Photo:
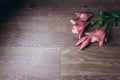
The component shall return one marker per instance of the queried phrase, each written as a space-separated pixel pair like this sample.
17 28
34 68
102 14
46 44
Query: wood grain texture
36 42
28 48
94 60
30 61
90 77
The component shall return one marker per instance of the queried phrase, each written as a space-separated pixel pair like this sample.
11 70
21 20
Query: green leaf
93 22
114 15
107 19
100 23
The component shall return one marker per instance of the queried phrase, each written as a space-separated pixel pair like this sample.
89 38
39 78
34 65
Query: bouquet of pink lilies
106 20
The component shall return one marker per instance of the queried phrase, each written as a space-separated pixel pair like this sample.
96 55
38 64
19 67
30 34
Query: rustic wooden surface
36 43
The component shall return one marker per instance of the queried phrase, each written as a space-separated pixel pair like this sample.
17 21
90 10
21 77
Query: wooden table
36 43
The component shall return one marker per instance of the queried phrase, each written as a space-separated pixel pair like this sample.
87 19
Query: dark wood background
36 42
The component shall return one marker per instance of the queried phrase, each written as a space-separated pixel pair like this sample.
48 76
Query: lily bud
83 42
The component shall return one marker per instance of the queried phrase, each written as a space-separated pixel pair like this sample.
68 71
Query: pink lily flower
84 16
79 27
83 42
98 36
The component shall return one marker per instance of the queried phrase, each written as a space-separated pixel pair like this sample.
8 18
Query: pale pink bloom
79 27
84 16
83 42
73 21
98 36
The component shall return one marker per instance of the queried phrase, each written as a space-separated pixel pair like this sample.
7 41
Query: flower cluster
105 22
80 23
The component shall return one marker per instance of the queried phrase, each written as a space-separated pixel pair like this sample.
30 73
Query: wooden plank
33 35
91 77
93 60
36 61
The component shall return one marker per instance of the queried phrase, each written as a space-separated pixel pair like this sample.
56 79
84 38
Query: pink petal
75 29
81 23
100 43
80 32
94 39
79 27
73 21
85 43
84 16
79 35
100 33
81 40
98 36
